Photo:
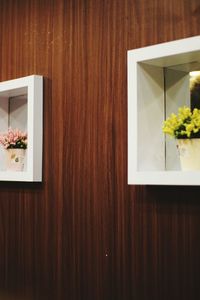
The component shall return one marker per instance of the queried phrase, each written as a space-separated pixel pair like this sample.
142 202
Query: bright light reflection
194 73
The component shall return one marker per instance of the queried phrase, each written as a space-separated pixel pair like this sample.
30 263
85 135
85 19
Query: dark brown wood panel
83 233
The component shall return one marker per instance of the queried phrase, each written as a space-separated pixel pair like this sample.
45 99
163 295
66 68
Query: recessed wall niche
158 83
21 106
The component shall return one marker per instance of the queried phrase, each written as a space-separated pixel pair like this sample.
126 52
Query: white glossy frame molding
151 157
21 105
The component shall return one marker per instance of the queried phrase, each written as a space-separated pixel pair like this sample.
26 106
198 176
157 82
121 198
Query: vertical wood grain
84 233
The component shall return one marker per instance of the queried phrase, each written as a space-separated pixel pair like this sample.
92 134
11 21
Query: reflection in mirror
195 89
176 78
182 88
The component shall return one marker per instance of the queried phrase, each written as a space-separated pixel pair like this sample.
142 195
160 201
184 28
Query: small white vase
15 159
189 152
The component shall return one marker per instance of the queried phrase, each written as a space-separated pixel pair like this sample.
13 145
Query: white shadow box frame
158 83
21 106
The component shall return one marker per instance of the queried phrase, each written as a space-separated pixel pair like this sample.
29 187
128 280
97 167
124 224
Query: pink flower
14 138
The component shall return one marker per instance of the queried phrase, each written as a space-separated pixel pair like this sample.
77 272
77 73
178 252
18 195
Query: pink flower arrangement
14 138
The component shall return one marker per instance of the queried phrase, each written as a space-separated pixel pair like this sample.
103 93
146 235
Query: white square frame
146 111
33 86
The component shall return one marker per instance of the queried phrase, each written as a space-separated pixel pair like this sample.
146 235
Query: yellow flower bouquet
184 125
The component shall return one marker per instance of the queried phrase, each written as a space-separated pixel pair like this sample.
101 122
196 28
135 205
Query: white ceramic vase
189 152
15 159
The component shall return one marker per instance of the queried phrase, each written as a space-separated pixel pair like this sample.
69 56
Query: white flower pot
15 159
189 152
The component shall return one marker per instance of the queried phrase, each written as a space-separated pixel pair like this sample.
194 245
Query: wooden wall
84 234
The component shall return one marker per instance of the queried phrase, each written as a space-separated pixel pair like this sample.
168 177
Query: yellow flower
183 125
188 129
184 113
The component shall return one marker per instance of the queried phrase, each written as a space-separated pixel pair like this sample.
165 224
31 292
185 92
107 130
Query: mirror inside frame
182 88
